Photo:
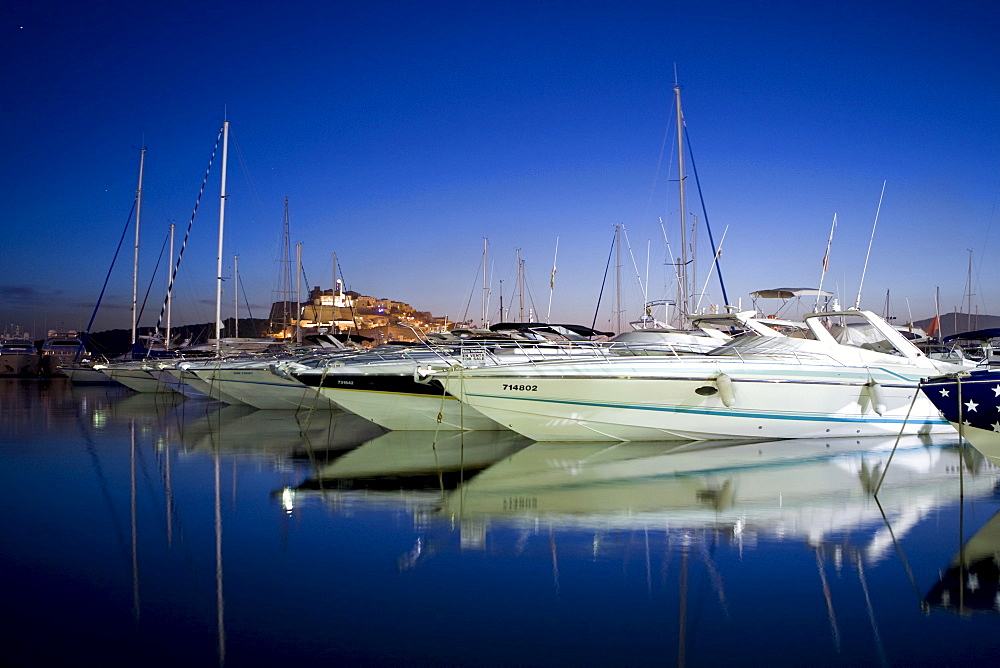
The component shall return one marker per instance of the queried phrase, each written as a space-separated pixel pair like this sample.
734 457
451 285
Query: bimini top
789 293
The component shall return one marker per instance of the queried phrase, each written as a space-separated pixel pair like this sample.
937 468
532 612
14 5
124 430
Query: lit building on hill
341 312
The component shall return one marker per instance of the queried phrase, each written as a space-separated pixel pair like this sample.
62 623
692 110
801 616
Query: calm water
140 530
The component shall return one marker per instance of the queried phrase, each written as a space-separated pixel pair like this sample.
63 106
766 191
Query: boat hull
696 400
971 404
398 402
86 375
24 366
138 379
193 387
264 390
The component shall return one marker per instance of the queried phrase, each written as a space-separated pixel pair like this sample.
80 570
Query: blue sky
404 133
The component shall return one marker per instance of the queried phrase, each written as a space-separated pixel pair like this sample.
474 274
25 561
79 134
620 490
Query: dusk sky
405 133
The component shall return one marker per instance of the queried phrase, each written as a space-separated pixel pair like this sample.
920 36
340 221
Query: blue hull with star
971 403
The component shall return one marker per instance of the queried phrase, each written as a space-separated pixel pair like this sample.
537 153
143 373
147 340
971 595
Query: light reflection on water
151 530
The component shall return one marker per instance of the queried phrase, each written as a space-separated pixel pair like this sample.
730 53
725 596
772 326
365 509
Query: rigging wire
243 288
701 197
187 234
593 325
86 334
472 290
152 278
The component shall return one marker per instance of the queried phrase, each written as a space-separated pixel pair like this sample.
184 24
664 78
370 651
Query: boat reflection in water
971 583
416 460
168 530
244 430
803 488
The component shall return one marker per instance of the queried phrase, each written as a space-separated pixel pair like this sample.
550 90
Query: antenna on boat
857 302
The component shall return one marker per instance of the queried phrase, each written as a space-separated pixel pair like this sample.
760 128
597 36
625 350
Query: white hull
85 375
19 365
172 378
136 378
191 386
653 400
411 412
260 388
386 393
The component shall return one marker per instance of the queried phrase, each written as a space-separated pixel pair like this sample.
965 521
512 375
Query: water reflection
971 582
188 525
793 489
414 459
245 431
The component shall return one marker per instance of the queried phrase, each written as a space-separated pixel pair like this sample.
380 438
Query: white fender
875 396
727 389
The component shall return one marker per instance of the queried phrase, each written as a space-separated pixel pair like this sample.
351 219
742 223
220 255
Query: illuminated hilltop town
340 311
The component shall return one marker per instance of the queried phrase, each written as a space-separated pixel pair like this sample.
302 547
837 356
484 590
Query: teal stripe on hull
801 417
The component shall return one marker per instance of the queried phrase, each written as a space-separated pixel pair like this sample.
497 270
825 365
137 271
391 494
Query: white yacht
383 386
19 357
60 349
749 387
253 383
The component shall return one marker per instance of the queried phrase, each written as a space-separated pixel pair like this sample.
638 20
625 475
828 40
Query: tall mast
486 289
286 275
683 270
135 260
333 299
618 279
520 287
236 296
968 309
222 223
170 299
298 293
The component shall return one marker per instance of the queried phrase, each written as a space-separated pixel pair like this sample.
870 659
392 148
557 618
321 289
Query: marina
418 336
146 528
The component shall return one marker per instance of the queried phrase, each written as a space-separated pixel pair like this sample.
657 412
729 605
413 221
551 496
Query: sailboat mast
298 293
618 279
968 308
333 300
236 296
222 222
520 286
683 271
135 260
486 289
170 299
286 276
